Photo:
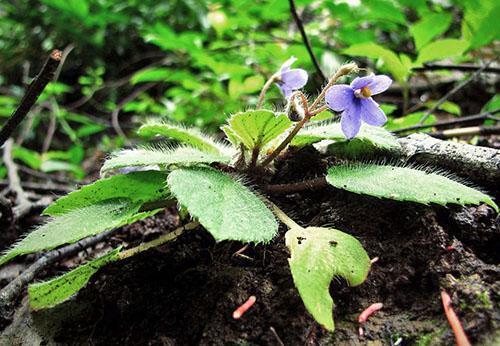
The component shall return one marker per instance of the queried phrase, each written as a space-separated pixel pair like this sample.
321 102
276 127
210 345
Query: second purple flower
289 80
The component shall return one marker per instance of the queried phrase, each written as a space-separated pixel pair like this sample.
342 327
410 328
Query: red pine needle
460 336
244 307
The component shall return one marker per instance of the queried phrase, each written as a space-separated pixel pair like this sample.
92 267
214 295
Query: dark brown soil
184 293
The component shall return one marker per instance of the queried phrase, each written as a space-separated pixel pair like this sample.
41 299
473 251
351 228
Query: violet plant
208 178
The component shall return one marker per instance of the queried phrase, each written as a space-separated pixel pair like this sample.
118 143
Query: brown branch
466 119
461 67
34 90
466 131
313 184
10 292
307 43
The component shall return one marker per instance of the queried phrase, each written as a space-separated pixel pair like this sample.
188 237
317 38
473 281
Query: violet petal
339 97
379 84
295 78
351 122
371 113
361 82
286 65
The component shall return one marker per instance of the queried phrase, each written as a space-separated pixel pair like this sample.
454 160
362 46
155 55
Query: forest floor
184 293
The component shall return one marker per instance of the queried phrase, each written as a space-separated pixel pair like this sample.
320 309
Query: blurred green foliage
196 62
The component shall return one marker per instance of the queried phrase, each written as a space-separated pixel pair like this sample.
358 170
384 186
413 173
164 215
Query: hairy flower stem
280 214
158 241
342 71
265 88
310 111
286 141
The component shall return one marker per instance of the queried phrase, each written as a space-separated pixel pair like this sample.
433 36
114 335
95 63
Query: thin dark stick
298 21
42 187
463 68
34 90
116 112
10 292
313 184
466 119
450 93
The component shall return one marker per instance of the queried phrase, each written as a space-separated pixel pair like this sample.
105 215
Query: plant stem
286 141
307 43
342 71
158 241
280 214
266 87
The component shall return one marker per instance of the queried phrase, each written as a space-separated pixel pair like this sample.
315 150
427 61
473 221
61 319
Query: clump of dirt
184 292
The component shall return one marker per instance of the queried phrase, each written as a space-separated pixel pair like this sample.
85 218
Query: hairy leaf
256 128
225 207
373 135
319 254
404 184
75 225
164 158
190 136
146 186
50 293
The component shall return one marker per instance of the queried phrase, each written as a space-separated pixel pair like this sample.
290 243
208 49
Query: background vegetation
196 62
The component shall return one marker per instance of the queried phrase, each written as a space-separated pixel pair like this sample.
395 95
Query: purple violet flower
356 104
289 80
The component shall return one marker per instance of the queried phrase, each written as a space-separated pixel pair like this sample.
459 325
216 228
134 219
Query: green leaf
374 51
162 157
447 106
441 49
429 27
256 128
138 187
317 255
375 136
191 136
409 120
393 183
250 85
154 74
224 206
492 105
50 293
75 225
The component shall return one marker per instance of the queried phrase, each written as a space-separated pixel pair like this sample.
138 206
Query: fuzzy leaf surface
146 186
164 158
190 136
75 225
404 184
50 293
375 136
317 255
224 206
256 128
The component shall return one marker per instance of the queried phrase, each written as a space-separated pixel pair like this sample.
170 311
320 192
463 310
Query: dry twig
34 90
